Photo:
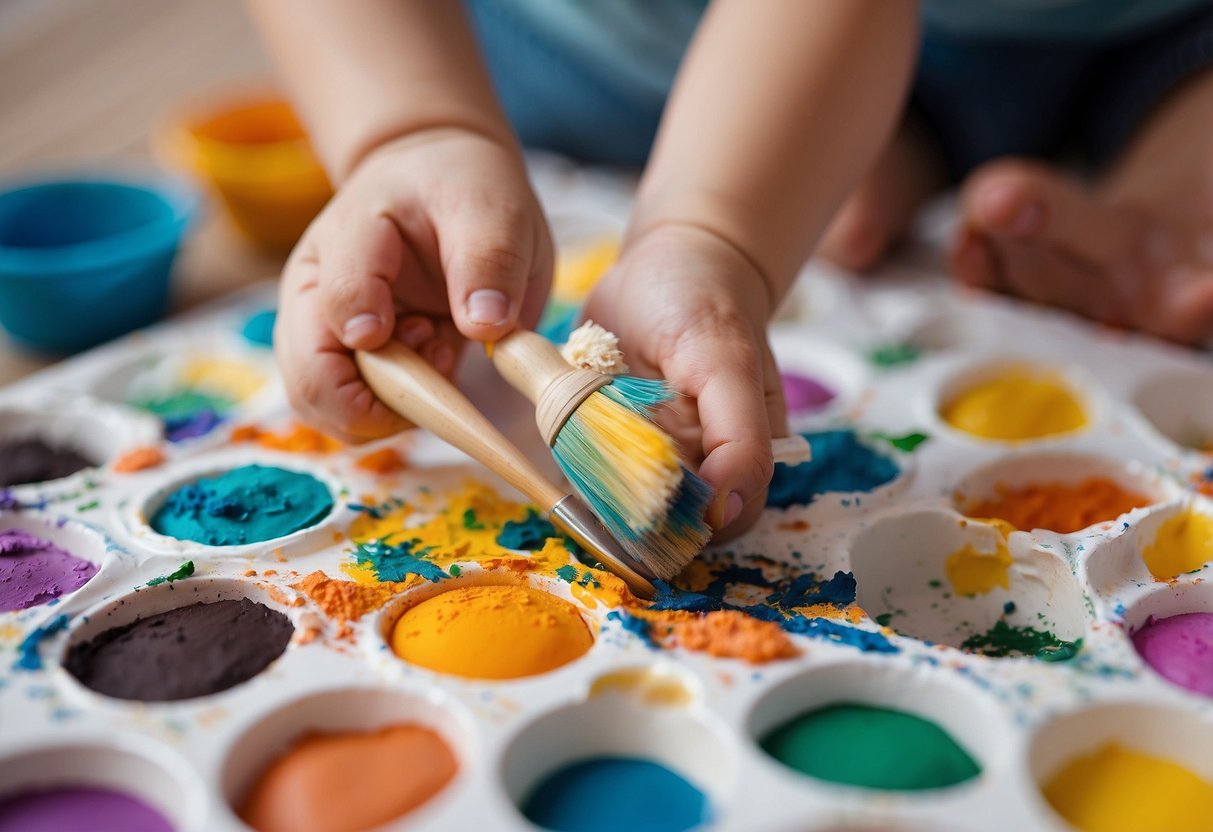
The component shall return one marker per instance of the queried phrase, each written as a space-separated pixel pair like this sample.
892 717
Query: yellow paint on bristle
1183 543
973 572
1015 406
578 271
635 459
1116 789
233 379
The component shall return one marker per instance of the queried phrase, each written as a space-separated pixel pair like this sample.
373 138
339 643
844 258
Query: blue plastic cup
84 259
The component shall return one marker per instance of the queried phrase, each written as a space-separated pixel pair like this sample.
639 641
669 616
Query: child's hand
433 239
691 308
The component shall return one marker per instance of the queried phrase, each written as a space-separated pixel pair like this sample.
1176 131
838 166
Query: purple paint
78 807
1180 649
804 394
34 571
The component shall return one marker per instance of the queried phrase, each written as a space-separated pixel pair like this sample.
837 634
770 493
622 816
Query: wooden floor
82 82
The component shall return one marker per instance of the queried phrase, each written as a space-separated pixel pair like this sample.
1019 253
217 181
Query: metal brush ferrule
575 519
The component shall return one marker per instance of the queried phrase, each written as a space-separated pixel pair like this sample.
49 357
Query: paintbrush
408 384
625 467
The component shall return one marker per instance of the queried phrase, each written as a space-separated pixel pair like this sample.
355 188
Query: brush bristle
682 534
624 466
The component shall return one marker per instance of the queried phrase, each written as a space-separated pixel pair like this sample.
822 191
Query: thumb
489 260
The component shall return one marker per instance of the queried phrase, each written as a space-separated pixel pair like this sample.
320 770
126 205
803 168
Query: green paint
870 747
455 570
88 506
185 571
1003 640
469 520
894 355
934 584
884 618
183 403
905 443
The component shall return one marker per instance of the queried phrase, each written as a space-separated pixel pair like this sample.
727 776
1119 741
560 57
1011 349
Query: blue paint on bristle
640 395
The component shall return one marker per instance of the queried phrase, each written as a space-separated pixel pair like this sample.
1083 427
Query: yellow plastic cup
254 153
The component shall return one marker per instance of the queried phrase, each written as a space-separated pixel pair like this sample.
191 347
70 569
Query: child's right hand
435 238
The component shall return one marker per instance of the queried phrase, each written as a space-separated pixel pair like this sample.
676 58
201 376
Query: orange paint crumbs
307 635
381 462
271 572
300 439
249 573
344 601
795 526
138 459
1059 507
725 635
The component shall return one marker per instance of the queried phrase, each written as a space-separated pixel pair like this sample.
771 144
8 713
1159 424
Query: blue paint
526 535
28 655
805 590
609 794
639 627
867 641
86 259
570 574
841 463
672 598
397 562
259 329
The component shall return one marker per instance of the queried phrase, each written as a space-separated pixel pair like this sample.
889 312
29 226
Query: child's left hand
692 309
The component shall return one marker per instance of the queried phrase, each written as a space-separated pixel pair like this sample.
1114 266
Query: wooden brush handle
534 367
409 385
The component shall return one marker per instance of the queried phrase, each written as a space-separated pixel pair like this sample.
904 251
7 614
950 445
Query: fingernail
732 507
488 306
360 326
1028 221
415 333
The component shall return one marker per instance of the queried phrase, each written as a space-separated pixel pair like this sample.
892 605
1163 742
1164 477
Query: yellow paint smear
1183 544
232 379
579 269
1015 406
973 572
644 685
1116 789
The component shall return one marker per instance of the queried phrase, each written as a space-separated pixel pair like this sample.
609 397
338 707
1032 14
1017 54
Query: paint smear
334 782
841 463
644 685
24 461
1017 405
871 747
579 268
973 572
250 504
382 463
201 395
258 330
491 632
1184 543
1059 507
184 653
1180 649
1003 640
607 794
34 571
298 439
138 459
804 395
78 807
1117 789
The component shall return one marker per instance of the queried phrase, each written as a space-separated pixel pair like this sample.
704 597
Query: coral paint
1183 543
731 635
344 782
34 571
872 747
138 459
606 794
78 807
1017 405
491 632
804 395
1117 789
1059 507
382 462
1180 649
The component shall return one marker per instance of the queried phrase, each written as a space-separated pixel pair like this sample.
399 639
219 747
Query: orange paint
382 462
343 782
733 635
299 439
1059 507
345 601
138 459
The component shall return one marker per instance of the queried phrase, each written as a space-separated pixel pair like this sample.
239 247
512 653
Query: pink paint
804 394
1180 649
34 571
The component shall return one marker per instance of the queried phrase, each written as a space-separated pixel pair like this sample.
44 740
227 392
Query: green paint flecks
907 443
185 571
894 355
1003 640
871 747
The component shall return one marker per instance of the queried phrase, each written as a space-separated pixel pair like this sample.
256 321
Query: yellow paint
579 269
233 379
1183 544
1116 789
651 688
491 632
973 572
1017 405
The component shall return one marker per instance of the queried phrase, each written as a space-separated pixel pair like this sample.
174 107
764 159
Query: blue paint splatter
397 562
868 641
28 657
638 627
569 574
841 463
529 534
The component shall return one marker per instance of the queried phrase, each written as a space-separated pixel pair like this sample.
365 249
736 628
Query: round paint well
1179 407
1122 767
870 747
805 394
601 794
78 807
243 505
1015 401
491 631
35 570
351 758
1172 631
942 578
175 641
842 463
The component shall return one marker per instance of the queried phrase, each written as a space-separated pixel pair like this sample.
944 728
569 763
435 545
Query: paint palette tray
875 602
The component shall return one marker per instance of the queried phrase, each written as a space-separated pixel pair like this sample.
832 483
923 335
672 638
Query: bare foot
879 210
1133 249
